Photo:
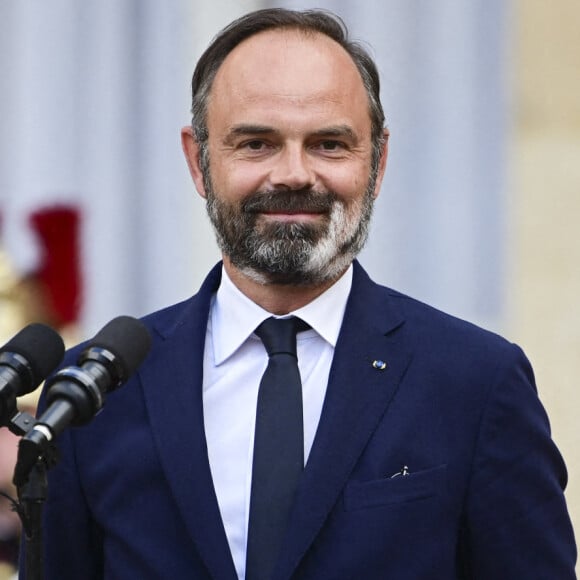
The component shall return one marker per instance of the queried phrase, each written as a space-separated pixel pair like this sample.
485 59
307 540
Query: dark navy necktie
278 446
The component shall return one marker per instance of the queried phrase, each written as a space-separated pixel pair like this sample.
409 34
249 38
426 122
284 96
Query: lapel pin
379 364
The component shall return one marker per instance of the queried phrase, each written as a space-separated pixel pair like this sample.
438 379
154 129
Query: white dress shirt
234 362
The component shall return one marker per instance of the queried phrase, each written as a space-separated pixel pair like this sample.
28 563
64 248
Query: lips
295 217
290 212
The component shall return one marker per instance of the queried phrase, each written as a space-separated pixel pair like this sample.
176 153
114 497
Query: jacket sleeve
517 523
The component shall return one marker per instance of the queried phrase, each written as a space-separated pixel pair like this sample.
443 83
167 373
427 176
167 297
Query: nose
292 169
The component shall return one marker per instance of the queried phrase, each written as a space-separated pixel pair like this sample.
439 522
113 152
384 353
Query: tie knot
279 334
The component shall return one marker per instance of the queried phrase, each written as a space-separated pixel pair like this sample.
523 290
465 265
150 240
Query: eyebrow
337 131
250 129
344 131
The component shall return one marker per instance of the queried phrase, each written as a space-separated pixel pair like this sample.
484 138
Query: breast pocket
416 486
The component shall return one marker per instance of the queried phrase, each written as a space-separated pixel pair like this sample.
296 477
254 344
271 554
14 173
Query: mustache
303 200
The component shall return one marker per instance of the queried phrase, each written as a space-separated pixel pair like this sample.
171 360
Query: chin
308 275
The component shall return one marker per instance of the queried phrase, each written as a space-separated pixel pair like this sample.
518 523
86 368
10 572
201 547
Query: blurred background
479 209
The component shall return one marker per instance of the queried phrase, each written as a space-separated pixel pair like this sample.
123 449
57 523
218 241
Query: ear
382 162
192 152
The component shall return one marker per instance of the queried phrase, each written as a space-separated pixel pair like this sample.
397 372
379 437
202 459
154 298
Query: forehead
288 66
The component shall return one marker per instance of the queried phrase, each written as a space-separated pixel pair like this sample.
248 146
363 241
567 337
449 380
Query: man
427 453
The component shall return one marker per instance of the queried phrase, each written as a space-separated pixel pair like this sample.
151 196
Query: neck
277 299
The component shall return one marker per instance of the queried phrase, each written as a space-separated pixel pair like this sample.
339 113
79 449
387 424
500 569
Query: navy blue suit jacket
132 496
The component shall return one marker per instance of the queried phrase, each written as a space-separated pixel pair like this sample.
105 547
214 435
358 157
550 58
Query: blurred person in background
49 294
9 520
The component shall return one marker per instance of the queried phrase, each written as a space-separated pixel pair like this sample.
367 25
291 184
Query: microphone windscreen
128 339
41 346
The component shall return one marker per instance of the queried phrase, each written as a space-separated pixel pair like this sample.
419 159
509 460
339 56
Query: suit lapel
172 384
358 394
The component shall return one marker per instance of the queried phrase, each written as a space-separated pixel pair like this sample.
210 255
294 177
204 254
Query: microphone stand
30 479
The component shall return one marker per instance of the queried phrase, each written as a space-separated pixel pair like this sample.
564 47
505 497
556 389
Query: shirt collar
234 317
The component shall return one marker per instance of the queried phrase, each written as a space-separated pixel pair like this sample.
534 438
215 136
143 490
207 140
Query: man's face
288 183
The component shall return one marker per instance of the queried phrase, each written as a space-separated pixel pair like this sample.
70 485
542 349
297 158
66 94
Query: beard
285 252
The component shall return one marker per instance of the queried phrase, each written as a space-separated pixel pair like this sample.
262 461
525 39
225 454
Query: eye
330 146
254 145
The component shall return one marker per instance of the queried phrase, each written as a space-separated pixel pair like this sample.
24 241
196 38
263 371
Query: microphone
25 361
76 394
